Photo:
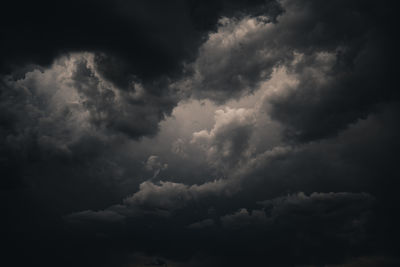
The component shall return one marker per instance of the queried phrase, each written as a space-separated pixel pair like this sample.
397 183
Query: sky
199 133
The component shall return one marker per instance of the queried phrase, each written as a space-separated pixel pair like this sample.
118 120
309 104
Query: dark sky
199 133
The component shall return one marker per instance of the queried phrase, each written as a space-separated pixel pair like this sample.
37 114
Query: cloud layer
199 133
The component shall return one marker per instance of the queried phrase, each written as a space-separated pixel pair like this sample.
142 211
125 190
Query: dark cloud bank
109 155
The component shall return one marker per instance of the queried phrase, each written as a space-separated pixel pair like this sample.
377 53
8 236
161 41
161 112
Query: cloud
327 225
65 127
155 129
178 147
243 218
127 42
331 61
330 224
228 141
153 164
201 224
161 199
135 112
69 101
345 212
169 195
325 204
323 101
235 59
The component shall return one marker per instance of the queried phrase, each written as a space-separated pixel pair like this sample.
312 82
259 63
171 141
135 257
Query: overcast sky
199 133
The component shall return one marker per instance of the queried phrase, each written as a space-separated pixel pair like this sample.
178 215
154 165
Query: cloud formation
228 142
199 133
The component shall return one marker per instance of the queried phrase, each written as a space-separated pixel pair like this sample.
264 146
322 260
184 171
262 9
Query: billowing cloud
170 195
235 59
328 58
244 218
201 224
228 141
161 199
199 133
128 43
153 164
319 221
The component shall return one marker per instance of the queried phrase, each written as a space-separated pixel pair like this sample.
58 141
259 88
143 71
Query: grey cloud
324 101
335 93
324 204
345 212
134 111
344 163
244 218
201 224
169 195
63 130
134 43
328 223
227 143
306 101
243 53
178 147
153 164
68 101
235 59
161 199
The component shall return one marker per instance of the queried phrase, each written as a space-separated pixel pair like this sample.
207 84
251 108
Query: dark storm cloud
142 38
325 205
244 218
235 59
243 53
47 120
328 98
356 159
110 155
227 143
135 113
327 223
137 53
63 127
201 224
161 199
320 218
